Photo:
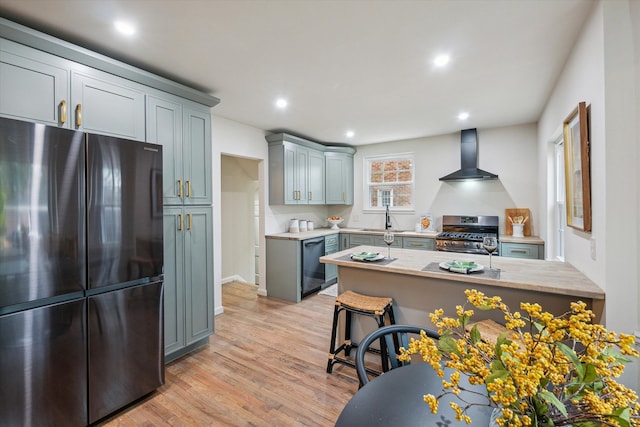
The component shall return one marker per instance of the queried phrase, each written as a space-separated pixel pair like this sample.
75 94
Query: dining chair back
394 336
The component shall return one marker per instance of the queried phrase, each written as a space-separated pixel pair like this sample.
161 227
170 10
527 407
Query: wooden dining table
395 399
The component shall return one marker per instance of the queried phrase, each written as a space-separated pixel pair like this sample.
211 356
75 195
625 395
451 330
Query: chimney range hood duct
469 160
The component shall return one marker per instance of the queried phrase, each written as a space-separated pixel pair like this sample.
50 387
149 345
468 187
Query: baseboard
234 278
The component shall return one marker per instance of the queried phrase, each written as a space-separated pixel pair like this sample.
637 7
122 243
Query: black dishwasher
312 268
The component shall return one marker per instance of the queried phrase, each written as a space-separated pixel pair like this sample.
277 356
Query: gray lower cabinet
284 267
331 245
522 250
188 299
420 243
372 240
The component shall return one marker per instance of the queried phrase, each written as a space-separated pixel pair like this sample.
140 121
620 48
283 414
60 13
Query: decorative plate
367 256
464 267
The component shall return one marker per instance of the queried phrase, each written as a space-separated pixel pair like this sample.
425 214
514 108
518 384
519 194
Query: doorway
240 219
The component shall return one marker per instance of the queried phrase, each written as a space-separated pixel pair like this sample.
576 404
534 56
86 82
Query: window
561 210
390 181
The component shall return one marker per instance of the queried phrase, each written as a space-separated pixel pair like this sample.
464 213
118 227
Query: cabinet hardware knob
78 115
179 188
180 222
63 111
189 222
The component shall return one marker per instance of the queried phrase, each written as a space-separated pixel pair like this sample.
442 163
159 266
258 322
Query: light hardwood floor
265 366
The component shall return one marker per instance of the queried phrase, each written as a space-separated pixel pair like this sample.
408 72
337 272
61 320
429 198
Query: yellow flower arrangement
545 370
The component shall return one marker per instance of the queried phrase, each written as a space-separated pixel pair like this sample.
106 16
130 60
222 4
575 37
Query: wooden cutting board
524 212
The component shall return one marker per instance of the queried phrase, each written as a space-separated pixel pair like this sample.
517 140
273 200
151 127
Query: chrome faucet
387 219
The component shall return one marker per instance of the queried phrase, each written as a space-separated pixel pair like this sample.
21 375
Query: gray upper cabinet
34 85
339 176
299 174
185 135
107 106
164 127
316 174
196 155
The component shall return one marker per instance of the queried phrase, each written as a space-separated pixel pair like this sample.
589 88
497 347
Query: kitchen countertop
552 277
531 240
431 234
327 231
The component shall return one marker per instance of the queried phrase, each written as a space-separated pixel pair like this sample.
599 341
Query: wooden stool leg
332 346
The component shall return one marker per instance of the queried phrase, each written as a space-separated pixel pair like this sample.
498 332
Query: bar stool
354 303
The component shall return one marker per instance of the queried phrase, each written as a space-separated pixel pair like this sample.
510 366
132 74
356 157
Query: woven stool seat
356 301
364 305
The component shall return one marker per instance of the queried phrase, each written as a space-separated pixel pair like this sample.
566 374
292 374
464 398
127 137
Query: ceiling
360 65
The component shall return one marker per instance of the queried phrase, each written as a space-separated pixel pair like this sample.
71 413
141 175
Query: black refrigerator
81 292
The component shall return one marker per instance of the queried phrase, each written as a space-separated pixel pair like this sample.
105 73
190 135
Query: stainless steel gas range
465 233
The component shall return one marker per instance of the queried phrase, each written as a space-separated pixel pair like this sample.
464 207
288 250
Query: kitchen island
418 286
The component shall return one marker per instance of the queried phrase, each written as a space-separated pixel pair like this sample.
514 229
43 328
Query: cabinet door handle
344 196
310 195
78 115
188 188
416 244
189 222
180 222
518 251
63 111
179 188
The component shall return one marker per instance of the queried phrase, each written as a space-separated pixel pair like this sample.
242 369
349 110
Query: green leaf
500 373
539 326
484 307
622 416
567 351
552 399
475 334
590 373
448 345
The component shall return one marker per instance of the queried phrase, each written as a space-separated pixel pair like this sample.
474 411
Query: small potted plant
543 370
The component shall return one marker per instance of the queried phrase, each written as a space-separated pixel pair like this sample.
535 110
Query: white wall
509 152
235 139
603 70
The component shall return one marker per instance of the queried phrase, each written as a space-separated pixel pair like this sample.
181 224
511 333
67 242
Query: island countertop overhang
551 277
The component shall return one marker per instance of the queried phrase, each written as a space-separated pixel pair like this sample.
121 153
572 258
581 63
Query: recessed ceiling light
125 28
441 60
281 103
463 116
350 134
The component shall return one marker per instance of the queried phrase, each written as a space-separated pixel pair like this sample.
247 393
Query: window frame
367 207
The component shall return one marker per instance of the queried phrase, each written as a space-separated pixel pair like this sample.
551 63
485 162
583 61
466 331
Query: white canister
310 225
418 227
294 226
518 230
303 225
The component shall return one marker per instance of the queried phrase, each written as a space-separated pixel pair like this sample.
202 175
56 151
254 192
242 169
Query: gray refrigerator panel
42 212
126 347
43 366
124 210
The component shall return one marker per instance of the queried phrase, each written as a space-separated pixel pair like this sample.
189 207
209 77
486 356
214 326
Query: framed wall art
577 168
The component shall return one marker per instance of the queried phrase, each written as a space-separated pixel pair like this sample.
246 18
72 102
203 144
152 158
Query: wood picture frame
577 168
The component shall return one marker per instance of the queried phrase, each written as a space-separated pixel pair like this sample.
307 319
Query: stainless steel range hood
469 160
